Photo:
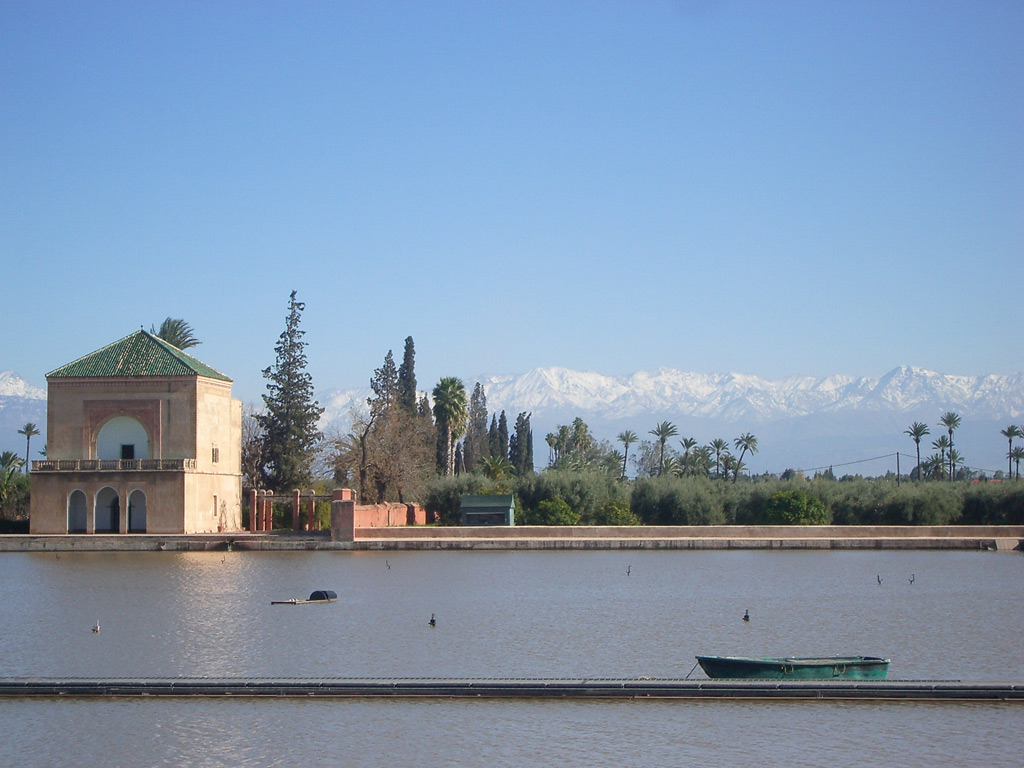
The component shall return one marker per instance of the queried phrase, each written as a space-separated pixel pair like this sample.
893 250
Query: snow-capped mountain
20 403
800 421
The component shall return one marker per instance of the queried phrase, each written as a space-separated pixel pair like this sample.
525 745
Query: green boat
795 668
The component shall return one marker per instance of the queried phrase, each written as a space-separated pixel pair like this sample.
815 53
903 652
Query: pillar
252 510
268 512
296 502
343 515
311 520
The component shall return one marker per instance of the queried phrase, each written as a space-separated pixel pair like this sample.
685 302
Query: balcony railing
113 465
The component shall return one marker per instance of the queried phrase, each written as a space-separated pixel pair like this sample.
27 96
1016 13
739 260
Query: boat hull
795 668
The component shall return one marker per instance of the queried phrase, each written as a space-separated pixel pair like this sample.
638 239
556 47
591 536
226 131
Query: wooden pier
602 688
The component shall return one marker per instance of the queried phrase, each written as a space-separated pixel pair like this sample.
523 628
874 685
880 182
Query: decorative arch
78 511
122 437
137 511
108 511
98 413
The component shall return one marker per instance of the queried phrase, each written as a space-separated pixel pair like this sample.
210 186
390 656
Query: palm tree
1016 455
627 438
450 413
702 459
177 333
950 421
496 467
917 430
1009 433
745 442
728 462
942 446
955 459
688 444
10 463
719 446
552 440
29 431
663 432
935 465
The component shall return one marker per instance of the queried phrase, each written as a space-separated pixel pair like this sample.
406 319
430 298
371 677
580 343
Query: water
505 614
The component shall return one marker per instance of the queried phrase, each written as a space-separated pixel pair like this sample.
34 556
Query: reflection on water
517 614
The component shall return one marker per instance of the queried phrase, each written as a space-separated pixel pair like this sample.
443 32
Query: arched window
122 438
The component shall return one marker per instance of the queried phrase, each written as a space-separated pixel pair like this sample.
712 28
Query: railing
113 465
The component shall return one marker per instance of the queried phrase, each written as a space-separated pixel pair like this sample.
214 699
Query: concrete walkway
631 688
833 537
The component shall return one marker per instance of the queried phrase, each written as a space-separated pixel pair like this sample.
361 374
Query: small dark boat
795 667
317 596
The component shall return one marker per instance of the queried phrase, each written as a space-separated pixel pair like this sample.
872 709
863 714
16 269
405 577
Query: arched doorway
137 512
108 511
78 512
122 438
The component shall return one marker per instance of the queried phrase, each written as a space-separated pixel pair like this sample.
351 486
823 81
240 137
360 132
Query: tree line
403 445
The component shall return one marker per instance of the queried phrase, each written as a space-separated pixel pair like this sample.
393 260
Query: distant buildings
141 438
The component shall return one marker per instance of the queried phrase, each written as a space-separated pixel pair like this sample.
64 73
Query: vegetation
450 415
289 424
29 431
177 333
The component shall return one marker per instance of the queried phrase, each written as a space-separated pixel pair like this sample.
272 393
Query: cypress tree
476 445
407 378
520 446
493 446
290 421
502 436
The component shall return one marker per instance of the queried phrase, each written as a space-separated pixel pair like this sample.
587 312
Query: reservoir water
505 614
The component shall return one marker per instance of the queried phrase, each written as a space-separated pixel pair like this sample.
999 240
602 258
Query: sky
783 188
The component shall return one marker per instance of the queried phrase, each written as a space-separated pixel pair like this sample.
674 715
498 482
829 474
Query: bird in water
879 577
628 569
746 615
388 564
433 621
911 578
96 627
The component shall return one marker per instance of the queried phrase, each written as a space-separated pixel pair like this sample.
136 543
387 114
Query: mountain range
801 422
854 424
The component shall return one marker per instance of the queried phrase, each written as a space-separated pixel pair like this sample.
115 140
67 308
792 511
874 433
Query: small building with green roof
141 438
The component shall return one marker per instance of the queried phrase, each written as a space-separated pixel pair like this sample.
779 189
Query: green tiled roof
140 354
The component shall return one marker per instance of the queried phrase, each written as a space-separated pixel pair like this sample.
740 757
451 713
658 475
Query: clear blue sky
773 188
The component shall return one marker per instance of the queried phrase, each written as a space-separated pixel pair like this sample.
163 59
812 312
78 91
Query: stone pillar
311 521
122 523
268 513
252 510
296 503
90 512
343 515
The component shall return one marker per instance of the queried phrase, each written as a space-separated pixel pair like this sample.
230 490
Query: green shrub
794 508
677 501
552 512
616 512
585 492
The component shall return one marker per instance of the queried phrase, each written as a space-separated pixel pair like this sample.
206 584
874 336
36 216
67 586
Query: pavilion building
141 438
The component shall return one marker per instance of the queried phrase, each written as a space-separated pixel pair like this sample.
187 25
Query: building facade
141 438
